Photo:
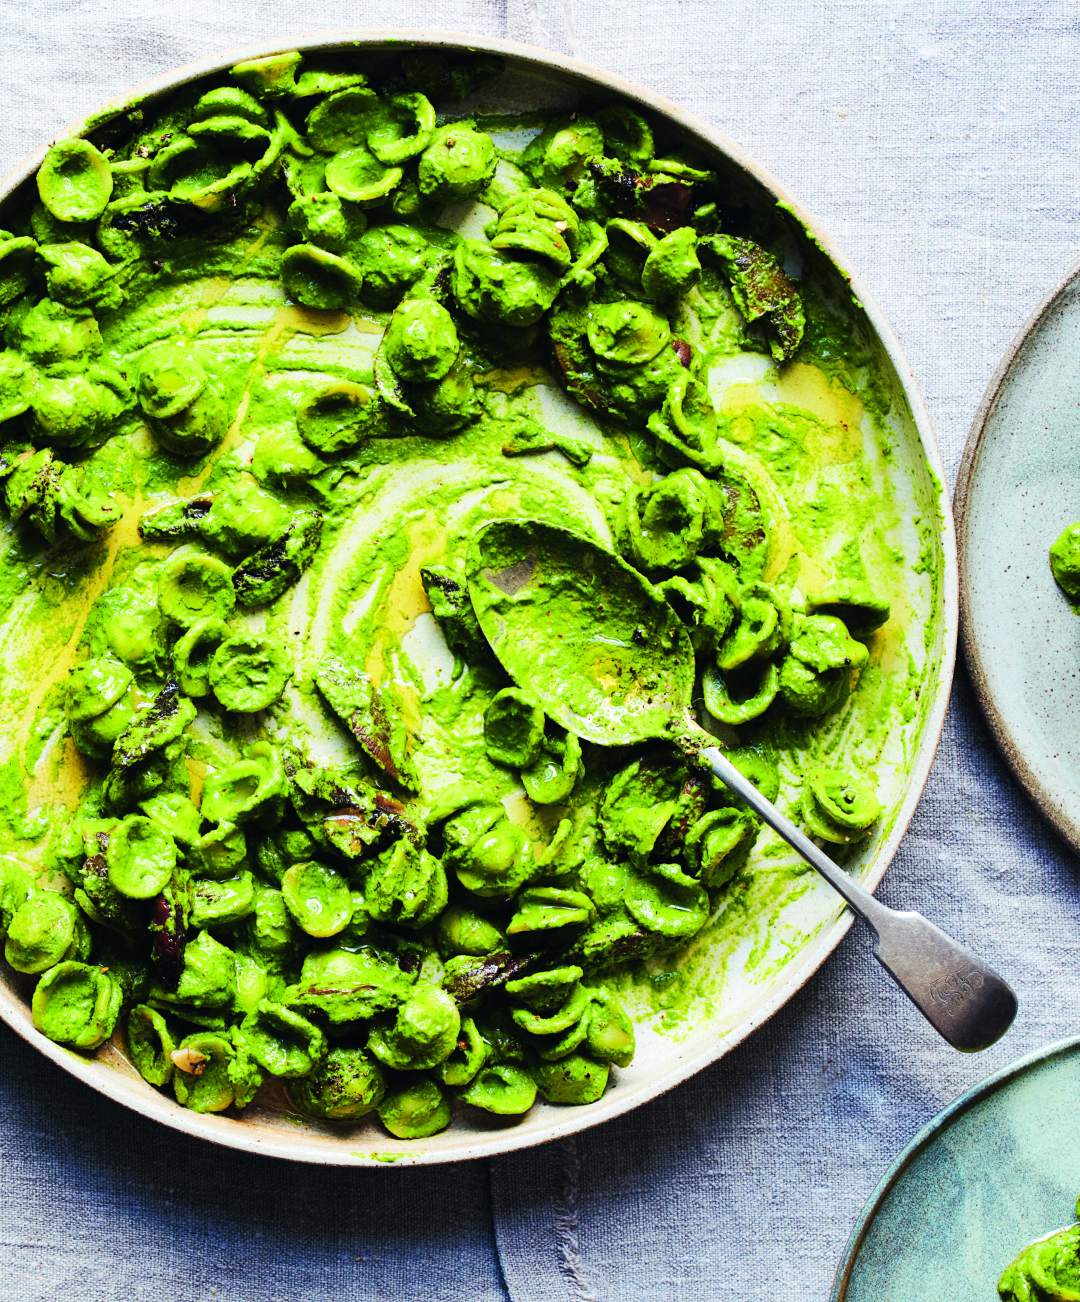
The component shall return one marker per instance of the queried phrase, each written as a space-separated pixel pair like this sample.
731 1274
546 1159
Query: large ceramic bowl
770 962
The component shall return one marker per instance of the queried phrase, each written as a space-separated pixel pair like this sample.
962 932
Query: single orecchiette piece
318 898
421 341
75 182
503 1088
639 803
344 986
549 908
572 1080
406 886
390 259
207 979
757 633
491 856
551 778
317 278
423 1033
462 930
456 164
76 1004
513 729
538 223
838 806
402 127
742 694
415 1110
44 930
340 417
662 898
345 1086
78 276
667 524
222 902
141 857
282 1041
713 840
496 289
1065 561
672 266
150 1044
356 175
243 788
194 586
247 673
559 153
214 1071
861 610
467 1057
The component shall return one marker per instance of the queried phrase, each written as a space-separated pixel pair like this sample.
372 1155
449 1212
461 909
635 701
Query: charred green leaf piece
154 726
761 290
372 716
450 604
266 573
341 813
466 976
175 519
662 202
743 536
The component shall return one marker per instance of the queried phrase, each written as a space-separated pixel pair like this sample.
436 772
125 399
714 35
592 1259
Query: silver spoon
606 657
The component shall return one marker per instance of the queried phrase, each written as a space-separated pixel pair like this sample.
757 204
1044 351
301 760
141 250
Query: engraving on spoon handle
958 994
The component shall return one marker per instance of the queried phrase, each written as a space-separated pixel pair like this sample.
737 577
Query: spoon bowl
581 632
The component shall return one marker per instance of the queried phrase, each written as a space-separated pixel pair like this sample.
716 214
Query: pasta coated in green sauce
260 382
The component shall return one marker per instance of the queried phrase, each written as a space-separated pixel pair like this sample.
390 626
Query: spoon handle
960 996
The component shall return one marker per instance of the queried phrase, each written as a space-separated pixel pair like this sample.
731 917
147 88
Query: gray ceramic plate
1019 486
757 980
996 1169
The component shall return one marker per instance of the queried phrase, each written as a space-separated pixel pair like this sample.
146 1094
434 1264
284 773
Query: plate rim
233 1132
1041 796
962 1103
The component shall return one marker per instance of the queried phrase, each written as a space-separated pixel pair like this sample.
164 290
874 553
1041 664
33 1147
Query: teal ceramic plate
1019 486
998 1168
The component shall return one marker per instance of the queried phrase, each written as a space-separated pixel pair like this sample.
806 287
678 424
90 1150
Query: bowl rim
235 1133
1038 792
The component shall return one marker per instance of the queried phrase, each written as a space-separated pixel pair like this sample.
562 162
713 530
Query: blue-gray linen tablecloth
937 142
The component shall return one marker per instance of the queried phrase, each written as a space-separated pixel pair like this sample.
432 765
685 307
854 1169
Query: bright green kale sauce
273 351
1047 1270
1065 563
